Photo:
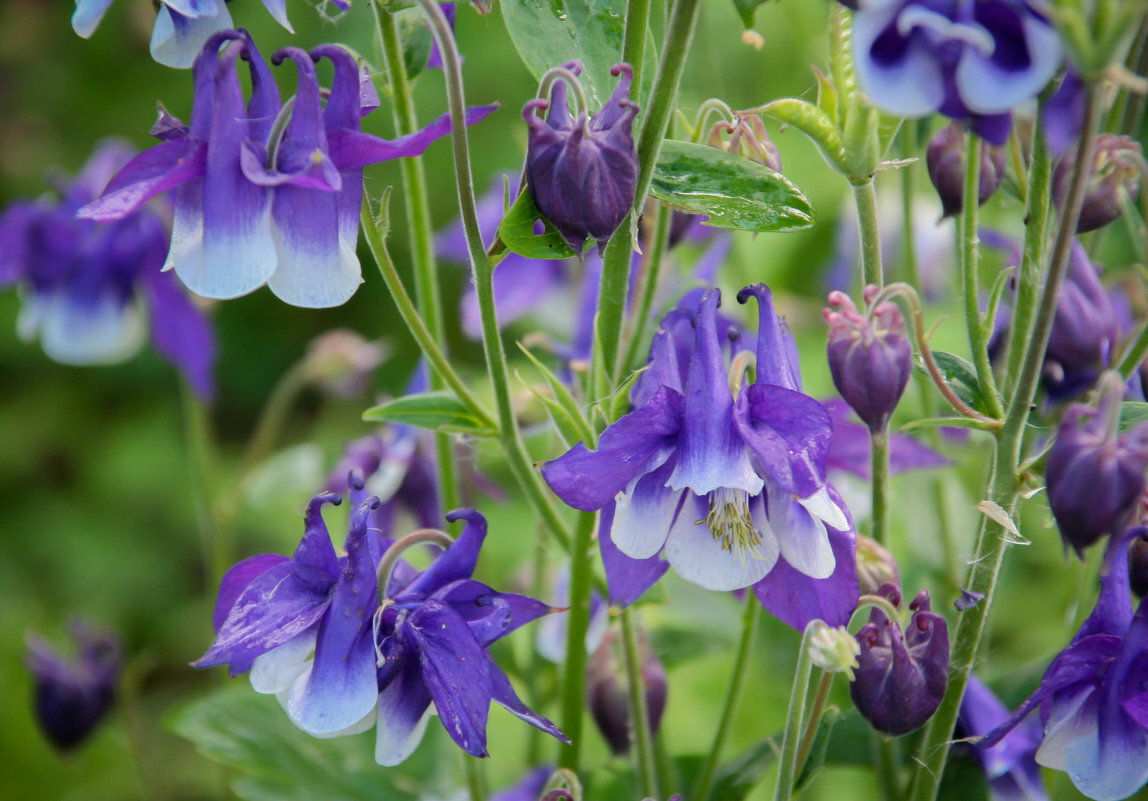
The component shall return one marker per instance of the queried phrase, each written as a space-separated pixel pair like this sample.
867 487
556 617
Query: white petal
227 264
698 558
394 742
911 88
821 504
102 330
355 728
643 516
801 536
1066 723
276 670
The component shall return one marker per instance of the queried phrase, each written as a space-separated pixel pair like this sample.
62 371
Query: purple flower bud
869 356
748 139
876 565
946 159
1095 478
1116 168
583 172
72 696
902 676
1086 327
1138 562
609 696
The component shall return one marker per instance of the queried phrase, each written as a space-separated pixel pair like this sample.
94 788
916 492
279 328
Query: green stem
201 449
374 232
577 622
1004 487
639 714
908 227
616 260
475 779
483 273
970 276
1134 354
871 270
634 41
733 695
879 461
886 758
819 697
273 416
650 270
794 720
427 294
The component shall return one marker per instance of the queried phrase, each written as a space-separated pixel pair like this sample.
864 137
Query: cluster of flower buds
869 356
902 674
747 138
1117 167
608 690
947 158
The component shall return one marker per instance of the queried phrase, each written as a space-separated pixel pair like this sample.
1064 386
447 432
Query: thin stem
639 714
871 270
201 450
427 293
787 766
1134 354
472 767
970 274
634 40
1004 487
414 322
273 416
819 697
908 225
423 536
483 274
732 697
648 273
577 621
879 461
886 767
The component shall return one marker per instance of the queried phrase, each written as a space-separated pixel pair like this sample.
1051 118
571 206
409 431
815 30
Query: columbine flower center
731 523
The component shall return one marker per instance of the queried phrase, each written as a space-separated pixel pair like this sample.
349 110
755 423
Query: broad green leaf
746 8
735 779
438 411
736 193
814 123
1132 414
549 33
961 376
517 232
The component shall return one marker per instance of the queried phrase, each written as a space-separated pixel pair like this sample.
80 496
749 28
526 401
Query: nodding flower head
583 171
947 158
1113 180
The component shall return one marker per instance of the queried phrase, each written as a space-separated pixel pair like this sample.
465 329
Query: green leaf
251 734
416 39
746 8
736 193
517 232
990 319
677 645
814 123
549 33
960 374
947 422
564 408
620 403
819 748
1132 414
735 779
438 411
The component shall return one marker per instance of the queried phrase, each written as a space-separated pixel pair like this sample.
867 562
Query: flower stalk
794 721
577 622
639 711
872 272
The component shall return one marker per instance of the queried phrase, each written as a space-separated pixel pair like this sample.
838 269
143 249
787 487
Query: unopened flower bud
834 650
902 675
946 160
583 172
869 356
1115 177
609 694
1085 328
1138 562
1095 478
747 138
341 362
876 565
72 696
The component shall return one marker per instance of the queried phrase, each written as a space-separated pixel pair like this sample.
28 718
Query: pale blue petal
316 269
404 710
910 87
987 89
176 39
274 672
101 330
699 558
801 536
644 513
87 16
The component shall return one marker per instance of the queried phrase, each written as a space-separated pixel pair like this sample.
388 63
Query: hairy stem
639 713
577 622
871 270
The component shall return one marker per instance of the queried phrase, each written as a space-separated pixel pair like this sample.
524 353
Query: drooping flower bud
747 138
583 172
876 565
1095 477
869 356
902 676
1115 176
833 650
73 695
946 159
1138 562
609 694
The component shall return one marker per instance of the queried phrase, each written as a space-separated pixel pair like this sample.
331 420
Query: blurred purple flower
849 449
1113 180
1009 766
90 290
272 192
529 788
608 691
1063 115
946 158
73 695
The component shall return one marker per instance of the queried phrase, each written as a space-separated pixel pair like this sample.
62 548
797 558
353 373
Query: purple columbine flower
946 158
181 26
724 487
73 695
1095 478
964 58
902 674
583 172
1092 698
869 356
267 192
1009 766
90 291
1117 166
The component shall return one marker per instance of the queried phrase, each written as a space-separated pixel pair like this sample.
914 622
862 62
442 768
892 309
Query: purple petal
315 553
776 349
994 84
899 73
351 149
165 166
801 535
789 434
181 332
278 10
502 693
626 578
456 562
490 615
588 480
404 710
235 581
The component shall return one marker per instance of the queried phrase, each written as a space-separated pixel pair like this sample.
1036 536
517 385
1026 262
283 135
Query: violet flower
73 695
181 26
962 58
1010 766
90 291
1092 701
583 172
271 192
725 488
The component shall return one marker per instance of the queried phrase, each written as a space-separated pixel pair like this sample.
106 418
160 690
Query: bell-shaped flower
902 674
181 26
723 488
266 192
583 172
1092 698
1010 766
963 58
1095 477
91 291
72 695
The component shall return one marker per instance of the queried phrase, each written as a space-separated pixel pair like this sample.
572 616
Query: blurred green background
98 491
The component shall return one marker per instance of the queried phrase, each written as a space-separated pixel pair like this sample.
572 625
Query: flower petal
455 563
274 672
644 513
626 578
236 579
86 18
801 536
503 694
104 329
700 559
352 149
404 710
180 331
898 73
1022 62
176 39
789 434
